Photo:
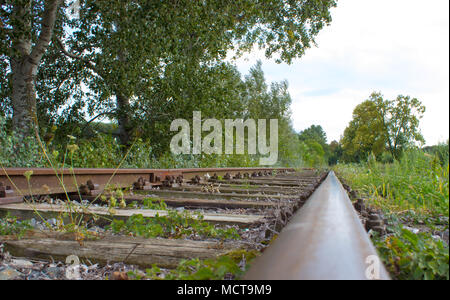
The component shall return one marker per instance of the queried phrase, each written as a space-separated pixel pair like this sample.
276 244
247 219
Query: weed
154 203
175 225
9 225
414 256
416 190
229 266
416 182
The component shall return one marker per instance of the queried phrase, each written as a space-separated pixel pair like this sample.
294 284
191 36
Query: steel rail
45 181
92 171
324 240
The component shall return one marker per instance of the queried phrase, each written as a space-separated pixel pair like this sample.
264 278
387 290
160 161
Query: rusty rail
14 185
324 240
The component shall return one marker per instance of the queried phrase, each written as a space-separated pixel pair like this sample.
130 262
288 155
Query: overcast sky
392 46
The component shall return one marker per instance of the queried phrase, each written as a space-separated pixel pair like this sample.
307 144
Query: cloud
396 47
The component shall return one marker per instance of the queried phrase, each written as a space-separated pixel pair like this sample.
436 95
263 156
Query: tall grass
418 181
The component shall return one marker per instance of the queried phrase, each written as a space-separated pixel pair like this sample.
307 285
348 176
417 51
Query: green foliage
251 98
365 133
414 256
418 181
441 151
156 204
380 124
175 225
16 151
313 154
402 117
9 225
264 102
224 267
414 188
335 154
313 146
165 55
314 133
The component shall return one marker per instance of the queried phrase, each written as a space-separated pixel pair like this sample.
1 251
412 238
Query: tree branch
88 63
47 26
96 117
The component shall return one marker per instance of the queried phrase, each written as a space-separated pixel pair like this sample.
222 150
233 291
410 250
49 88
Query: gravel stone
21 263
9 274
413 230
54 272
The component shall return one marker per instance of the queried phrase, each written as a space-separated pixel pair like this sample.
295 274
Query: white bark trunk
23 96
25 61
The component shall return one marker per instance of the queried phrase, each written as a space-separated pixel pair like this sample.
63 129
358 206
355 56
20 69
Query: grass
229 266
176 225
418 182
9 225
413 191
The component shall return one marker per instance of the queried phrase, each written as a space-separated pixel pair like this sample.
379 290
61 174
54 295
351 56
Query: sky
396 47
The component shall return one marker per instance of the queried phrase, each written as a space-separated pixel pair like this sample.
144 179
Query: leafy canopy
380 125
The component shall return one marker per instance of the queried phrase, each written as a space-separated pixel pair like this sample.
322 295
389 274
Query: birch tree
27 29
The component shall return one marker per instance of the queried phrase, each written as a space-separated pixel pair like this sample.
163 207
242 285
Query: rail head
325 240
95 171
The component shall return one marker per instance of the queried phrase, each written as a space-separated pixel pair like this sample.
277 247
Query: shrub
15 151
414 256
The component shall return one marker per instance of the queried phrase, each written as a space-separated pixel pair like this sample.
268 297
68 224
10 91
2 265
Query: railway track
319 235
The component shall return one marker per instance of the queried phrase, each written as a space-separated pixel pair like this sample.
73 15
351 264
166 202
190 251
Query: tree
312 153
27 29
336 151
380 124
401 118
127 45
314 133
214 90
365 133
262 101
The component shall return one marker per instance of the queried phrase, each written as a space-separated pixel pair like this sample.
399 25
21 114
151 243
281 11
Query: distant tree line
380 127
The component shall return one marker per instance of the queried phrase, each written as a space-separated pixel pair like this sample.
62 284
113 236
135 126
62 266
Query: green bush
18 152
414 256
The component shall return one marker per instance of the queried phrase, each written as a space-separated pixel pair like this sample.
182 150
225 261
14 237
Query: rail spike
139 184
90 189
7 195
179 180
196 180
5 191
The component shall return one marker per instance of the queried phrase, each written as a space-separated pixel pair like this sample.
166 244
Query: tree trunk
123 107
23 96
25 60
123 118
